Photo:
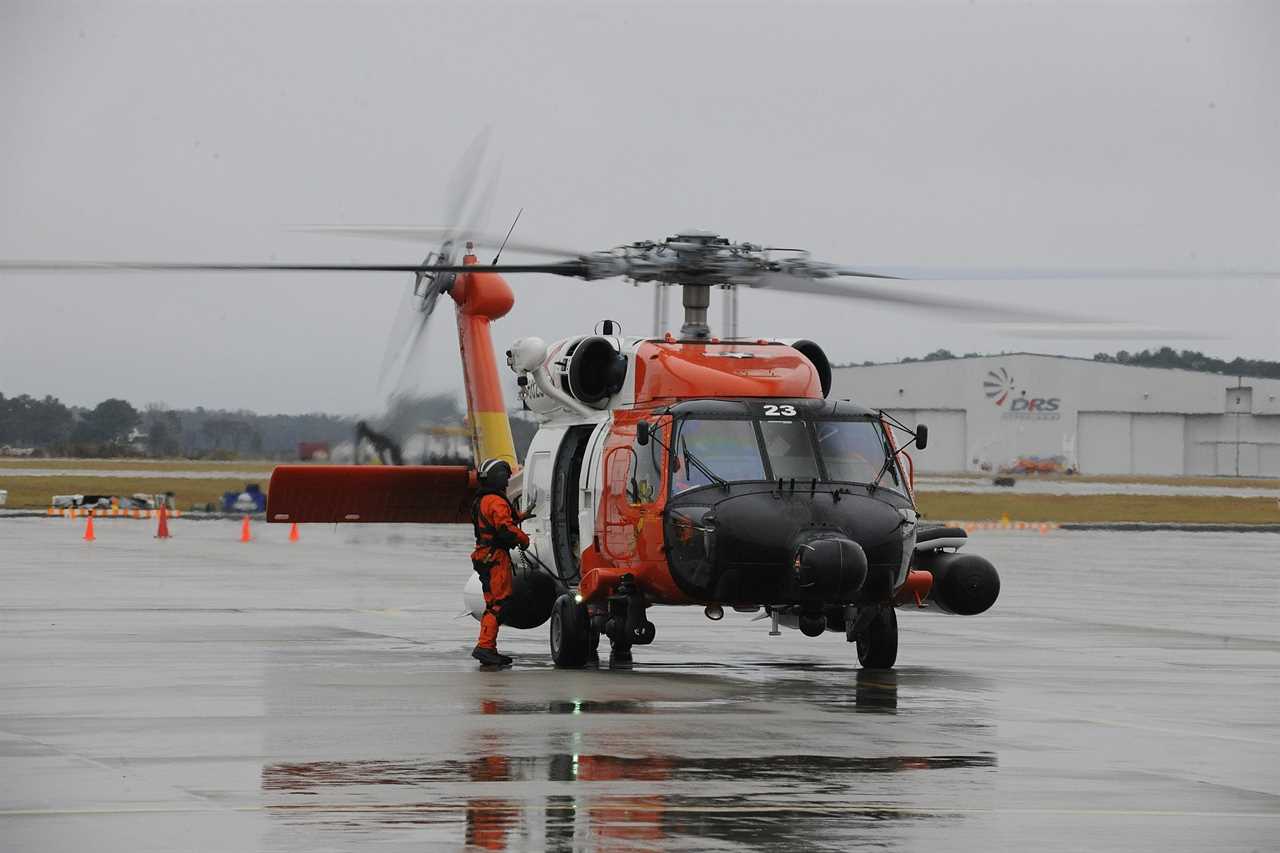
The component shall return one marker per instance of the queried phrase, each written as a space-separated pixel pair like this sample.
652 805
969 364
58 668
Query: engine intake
817 357
596 371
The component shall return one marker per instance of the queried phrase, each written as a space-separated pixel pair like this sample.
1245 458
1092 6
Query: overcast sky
1122 134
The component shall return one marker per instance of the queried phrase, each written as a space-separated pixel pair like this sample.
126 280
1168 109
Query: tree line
1162 357
116 428
1198 361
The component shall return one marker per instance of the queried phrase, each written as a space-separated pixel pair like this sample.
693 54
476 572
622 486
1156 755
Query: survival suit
497 528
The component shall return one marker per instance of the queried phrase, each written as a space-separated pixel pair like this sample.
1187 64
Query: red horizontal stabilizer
430 494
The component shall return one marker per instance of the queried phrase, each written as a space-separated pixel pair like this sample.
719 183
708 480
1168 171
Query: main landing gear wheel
570 633
878 644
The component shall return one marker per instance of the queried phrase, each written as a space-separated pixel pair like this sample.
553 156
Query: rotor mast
695 298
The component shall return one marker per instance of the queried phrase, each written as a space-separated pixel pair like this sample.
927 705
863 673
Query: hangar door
1156 443
1102 443
947 438
1121 443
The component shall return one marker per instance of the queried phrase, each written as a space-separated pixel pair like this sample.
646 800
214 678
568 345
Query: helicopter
674 470
680 470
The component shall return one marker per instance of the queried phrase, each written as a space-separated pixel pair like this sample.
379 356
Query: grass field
1248 482
37 492
140 464
1188 509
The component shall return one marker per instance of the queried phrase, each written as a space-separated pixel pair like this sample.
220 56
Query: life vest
487 534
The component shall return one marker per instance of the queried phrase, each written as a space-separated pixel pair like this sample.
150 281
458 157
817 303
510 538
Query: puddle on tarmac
310 777
500 802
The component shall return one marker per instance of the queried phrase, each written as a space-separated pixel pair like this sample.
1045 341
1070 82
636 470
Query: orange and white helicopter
678 469
674 470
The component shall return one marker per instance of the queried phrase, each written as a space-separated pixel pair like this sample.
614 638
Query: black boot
489 657
506 659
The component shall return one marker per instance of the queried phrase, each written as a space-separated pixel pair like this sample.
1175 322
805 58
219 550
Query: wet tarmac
206 694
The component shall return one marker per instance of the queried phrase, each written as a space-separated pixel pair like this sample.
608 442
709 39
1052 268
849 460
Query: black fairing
739 543
533 595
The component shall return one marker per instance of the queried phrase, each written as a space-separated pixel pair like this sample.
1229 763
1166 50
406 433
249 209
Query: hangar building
1096 417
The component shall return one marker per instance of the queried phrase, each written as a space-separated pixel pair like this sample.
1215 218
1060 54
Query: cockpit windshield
772 448
787 445
729 449
853 450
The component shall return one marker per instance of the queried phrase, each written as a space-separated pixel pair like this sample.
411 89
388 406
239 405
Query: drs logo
1000 389
1034 404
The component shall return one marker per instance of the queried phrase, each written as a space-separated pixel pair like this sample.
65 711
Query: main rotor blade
568 268
1102 331
1014 321
1049 273
789 283
426 233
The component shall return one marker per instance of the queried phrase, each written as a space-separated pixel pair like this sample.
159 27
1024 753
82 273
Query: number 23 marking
774 411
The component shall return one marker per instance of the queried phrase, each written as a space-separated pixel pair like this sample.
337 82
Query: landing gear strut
625 623
875 630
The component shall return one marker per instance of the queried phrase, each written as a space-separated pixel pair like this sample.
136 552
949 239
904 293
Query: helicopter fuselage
710 473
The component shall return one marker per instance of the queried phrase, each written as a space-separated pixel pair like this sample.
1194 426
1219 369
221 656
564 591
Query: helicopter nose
759 545
828 568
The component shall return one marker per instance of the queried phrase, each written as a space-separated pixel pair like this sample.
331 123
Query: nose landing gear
576 631
875 630
625 622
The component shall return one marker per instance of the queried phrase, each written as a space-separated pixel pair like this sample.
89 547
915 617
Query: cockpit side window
644 480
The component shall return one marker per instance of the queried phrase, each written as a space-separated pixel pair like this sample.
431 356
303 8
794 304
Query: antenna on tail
508 237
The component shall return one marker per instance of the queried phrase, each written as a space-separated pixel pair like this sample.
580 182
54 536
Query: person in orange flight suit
497 528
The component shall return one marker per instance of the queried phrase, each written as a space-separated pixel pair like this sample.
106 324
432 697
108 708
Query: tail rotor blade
463 200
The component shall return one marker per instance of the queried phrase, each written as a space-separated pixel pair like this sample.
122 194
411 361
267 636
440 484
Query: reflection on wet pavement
562 789
566 767
645 772
585 806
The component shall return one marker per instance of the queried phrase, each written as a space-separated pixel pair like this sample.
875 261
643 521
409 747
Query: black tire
878 645
570 633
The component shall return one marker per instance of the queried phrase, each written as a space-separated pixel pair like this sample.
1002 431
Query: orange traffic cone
162 529
88 529
245 535
293 532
